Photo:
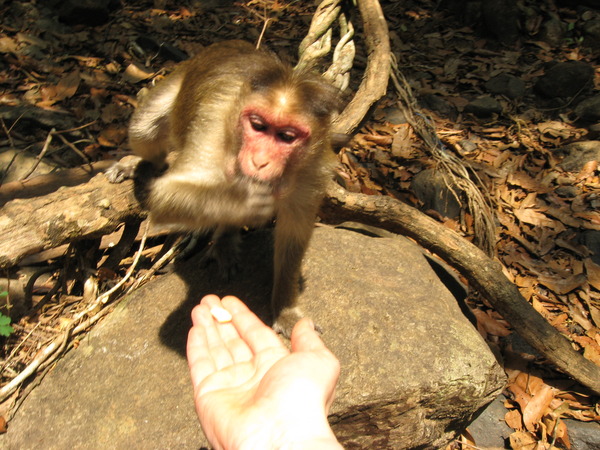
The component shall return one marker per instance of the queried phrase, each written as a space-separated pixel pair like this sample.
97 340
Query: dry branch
93 209
44 184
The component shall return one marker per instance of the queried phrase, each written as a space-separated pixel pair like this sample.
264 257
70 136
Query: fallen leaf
67 86
8 45
135 73
588 170
401 142
521 440
537 407
533 217
592 354
113 135
489 324
556 129
514 419
378 139
562 285
523 180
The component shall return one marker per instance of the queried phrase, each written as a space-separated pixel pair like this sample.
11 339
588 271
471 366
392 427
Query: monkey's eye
286 136
257 124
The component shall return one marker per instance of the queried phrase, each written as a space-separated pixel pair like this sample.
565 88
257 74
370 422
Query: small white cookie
221 315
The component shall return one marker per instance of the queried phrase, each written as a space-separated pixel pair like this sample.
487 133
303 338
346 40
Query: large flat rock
414 370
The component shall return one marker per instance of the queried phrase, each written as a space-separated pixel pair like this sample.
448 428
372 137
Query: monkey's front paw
287 318
123 170
260 204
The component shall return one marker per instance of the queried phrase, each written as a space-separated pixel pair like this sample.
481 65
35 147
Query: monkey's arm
149 126
195 202
149 129
294 228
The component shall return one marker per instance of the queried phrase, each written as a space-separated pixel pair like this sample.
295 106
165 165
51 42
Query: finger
251 329
200 363
226 329
304 338
216 348
239 351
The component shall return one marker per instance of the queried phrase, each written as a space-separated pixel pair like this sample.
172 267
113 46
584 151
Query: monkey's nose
260 163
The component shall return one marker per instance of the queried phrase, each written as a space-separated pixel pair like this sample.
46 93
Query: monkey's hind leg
123 170
225 251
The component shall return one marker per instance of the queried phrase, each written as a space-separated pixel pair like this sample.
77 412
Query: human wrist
308 433
296 433
326 442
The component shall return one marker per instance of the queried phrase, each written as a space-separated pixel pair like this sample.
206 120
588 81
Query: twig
157 265
59 344
18 346
41 155
31 368
70 130
74 148
262 32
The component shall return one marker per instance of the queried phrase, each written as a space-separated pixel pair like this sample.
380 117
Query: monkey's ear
339 140
321 98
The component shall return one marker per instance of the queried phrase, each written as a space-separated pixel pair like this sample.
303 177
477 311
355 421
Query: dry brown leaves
540 208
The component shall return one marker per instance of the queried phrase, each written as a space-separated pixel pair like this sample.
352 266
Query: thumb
305 339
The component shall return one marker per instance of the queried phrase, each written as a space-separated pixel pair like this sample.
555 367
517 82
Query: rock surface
414 370
432 189
565 79
507 85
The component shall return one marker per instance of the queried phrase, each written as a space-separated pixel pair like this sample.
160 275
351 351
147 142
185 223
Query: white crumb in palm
221 315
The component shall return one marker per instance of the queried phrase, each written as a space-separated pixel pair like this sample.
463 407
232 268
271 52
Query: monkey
242 138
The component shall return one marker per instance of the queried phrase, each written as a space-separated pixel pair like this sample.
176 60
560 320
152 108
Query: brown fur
194 116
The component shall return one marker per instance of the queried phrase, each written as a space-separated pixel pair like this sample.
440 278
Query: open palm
249 389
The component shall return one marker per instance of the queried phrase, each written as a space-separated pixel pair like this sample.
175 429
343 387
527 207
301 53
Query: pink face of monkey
272 141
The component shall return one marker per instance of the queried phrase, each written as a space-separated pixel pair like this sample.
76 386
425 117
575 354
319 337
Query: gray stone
565 79
577 154
553 31
484 107
437 104
84 12
431 188
394 116
591 30
507 85
589 109
583 435
414 370
501 19
591 239
489 430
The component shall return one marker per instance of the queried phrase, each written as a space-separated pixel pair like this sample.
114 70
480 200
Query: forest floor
521 144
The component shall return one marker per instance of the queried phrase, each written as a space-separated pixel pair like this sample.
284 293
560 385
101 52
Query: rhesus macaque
247 138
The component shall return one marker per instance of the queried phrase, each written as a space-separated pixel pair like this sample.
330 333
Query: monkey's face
272 142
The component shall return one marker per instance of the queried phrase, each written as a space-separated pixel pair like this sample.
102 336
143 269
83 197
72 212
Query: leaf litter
92 74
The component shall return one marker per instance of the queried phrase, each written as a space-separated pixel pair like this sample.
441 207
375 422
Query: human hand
250 391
